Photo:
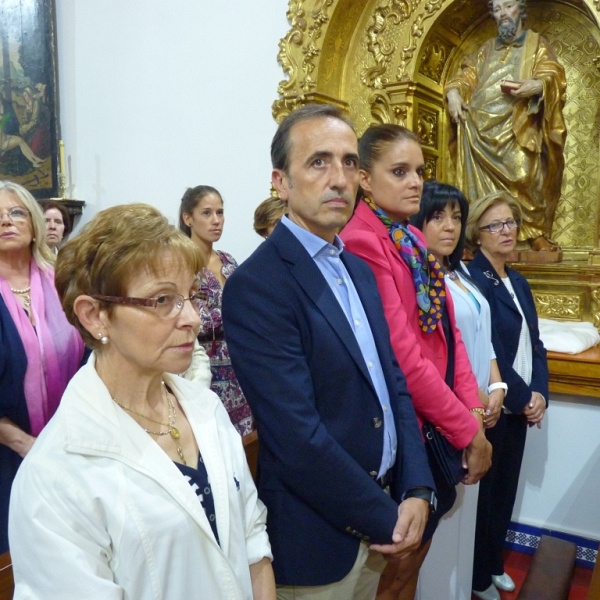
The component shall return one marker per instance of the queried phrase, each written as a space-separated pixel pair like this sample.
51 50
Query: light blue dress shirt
327 259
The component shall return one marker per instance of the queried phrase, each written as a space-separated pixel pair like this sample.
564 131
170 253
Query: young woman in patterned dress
201 217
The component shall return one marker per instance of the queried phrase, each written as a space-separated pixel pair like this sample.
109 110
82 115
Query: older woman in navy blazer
492 231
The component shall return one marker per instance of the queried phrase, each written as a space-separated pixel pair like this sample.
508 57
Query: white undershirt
523 364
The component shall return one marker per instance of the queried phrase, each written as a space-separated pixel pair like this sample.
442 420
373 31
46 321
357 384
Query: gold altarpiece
387 61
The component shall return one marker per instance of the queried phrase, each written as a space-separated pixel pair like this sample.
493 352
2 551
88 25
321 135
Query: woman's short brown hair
480 207
116 244
268 213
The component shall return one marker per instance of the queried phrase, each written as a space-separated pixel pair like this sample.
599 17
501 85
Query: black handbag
441 452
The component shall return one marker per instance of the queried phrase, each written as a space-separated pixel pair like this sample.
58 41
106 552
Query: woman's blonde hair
39 250
478 208
111 249
268 213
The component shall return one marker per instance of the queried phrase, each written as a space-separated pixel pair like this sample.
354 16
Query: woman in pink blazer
420 314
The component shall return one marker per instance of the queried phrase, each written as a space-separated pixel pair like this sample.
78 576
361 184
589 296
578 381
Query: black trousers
497 493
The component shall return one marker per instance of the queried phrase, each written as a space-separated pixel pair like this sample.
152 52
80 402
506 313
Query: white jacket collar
91 421
92 424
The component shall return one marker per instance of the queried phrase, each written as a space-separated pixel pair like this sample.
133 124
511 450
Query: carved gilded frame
387 60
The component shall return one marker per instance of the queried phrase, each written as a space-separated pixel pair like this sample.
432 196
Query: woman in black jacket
492 231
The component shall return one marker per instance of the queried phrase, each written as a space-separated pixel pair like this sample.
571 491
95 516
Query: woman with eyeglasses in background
139 486
492 230
39 350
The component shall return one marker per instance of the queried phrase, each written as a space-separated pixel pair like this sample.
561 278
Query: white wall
560 478
157 96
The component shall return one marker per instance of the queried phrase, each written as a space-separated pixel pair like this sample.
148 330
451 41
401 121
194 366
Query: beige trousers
360 583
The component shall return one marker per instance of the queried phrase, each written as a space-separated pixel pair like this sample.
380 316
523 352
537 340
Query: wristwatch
424 493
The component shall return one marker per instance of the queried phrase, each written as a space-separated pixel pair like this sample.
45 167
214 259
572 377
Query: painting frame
29 103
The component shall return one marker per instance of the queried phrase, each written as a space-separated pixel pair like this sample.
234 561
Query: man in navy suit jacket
342 467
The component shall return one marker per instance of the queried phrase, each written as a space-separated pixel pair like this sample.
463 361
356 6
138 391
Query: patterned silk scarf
427 272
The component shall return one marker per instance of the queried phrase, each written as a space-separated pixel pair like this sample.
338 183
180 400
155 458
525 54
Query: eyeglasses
16 215
498 226
167 306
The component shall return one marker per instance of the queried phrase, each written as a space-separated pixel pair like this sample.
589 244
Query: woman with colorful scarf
420 314
39 350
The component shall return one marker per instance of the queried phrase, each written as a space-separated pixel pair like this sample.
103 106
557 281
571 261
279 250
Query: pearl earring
103 339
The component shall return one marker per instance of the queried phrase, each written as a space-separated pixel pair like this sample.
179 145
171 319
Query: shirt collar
312 243
515 43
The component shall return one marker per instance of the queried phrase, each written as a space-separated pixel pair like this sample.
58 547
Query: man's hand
477 458
535 409
528 87
412 518
456 107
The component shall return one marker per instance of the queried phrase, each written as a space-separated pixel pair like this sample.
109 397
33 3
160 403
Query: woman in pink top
420 314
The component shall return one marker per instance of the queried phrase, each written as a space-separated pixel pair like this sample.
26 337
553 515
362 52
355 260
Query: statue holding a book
506 102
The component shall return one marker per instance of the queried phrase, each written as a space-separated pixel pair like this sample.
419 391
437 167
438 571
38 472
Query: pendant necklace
171 425
25 293
172 422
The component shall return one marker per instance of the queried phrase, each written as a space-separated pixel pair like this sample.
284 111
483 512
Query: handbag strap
449 379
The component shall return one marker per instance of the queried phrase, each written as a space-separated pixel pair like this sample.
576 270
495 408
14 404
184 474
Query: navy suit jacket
506 328
317 413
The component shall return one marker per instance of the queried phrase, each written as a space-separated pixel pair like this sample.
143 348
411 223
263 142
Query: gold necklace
133 412
130 410
25 293
172 422
172 429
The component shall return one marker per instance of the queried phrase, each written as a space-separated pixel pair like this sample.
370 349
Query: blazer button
373 474
377 422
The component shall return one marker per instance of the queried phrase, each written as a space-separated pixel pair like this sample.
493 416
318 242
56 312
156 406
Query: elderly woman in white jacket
138 487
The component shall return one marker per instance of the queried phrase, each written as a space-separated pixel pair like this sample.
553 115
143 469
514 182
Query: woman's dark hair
48 204
377 139
190 200
436 196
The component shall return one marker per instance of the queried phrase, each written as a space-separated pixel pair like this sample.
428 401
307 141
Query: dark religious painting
28 95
